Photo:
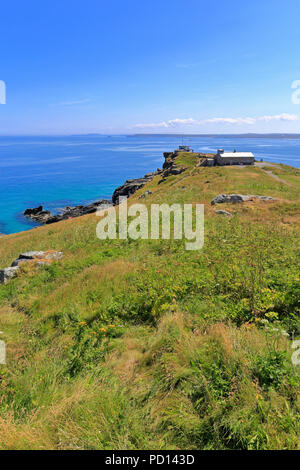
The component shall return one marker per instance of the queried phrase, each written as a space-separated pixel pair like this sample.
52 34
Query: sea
68 170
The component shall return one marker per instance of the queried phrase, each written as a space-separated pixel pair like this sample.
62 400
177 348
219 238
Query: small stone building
234 158
184 148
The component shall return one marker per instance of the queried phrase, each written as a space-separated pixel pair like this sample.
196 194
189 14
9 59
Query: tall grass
144 345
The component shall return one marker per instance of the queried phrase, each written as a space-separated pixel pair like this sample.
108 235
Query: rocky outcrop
8 273
170 167
39 258
237 198
45 217
131 186
38 214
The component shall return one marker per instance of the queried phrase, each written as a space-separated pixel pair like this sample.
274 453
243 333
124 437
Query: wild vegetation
140 344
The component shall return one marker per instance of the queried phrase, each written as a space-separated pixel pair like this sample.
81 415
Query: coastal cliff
142 344
38 214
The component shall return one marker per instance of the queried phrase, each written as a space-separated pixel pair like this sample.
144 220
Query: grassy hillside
137 344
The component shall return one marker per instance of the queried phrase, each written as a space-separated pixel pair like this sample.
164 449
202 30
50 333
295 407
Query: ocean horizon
56 171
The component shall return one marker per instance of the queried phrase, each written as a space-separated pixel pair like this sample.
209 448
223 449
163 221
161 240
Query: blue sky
127 66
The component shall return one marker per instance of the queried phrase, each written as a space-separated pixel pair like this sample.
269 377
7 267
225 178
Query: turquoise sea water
60 171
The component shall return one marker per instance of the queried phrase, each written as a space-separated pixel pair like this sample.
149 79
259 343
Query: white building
234 158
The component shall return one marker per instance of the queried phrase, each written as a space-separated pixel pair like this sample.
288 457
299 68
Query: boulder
238 198
221 212
32 254
176 171
28 256
37 255
38 214
219 199
54 255
33 211
8 273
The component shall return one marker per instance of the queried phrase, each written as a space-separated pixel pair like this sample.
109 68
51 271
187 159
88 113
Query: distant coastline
246 136
55 172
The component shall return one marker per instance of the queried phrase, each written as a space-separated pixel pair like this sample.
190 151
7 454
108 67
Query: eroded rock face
8 273
169 166
131 186
238 198
45 217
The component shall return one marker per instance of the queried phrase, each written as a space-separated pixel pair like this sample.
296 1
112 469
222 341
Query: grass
137 344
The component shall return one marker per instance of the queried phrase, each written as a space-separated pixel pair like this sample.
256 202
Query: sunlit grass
128 344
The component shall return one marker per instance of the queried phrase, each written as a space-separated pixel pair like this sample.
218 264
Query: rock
169 166
45 217
146 193
264 198
176 171
219 199
28 256
19 261
45 256
237 198
8 273
39 257
34 211
32 254
53 255
162 180
38 214
228 214
130 187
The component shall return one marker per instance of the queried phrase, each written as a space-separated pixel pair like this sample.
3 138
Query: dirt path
270 173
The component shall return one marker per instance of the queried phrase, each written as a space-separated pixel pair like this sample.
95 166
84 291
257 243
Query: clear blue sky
126 66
